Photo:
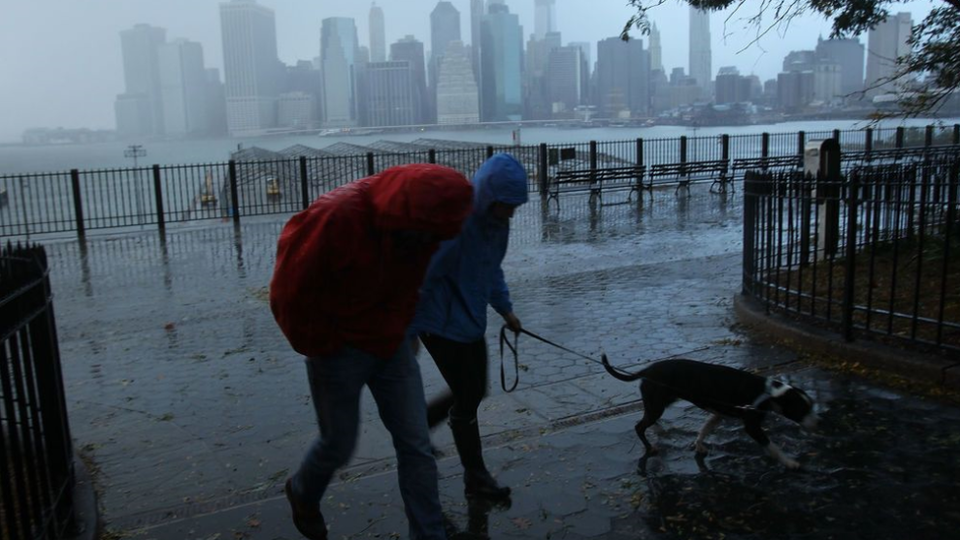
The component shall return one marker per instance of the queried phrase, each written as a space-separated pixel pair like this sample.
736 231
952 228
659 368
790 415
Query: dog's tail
619 373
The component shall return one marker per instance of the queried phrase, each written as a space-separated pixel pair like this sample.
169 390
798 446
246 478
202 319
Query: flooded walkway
188 400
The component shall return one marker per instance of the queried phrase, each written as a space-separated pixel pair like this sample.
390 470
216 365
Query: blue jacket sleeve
500 293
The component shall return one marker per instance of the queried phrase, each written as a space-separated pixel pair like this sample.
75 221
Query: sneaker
309 521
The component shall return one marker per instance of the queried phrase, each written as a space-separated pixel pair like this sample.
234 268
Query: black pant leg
464 368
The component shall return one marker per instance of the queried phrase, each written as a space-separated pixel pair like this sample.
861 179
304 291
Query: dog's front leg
777 453
754 429
705 431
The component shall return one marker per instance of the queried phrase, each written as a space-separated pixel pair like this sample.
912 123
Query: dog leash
515 349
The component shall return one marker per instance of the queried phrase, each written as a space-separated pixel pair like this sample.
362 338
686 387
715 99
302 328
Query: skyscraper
701 67
183 88
250 65
457 95
586 70
338 56
378 38
501 54
477 11
849 54
388 94
410 50
656 49
140 108
545 18
885 43
564 78
537 57
623 78
444 29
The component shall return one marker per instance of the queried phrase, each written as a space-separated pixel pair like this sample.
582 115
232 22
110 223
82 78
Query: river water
18 159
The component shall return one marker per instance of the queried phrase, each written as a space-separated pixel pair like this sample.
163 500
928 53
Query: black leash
514 348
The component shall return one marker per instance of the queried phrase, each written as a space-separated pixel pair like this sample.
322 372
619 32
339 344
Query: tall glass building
251 67
338 59
501 56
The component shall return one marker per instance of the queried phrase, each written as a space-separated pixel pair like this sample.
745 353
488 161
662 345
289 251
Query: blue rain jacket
465 274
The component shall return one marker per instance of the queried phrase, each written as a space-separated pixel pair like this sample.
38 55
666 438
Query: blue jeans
335 384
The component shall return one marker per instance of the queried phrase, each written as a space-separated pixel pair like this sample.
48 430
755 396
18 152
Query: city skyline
87 101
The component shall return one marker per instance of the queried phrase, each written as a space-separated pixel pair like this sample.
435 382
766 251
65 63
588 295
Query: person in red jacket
343 292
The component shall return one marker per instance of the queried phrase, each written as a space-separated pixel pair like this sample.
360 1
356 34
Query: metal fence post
640 166
683 149
542 165
836 137
899 137
956 134
489 152
928 137
593 165
849 266
234 192
158 195
371 167
432 156
765 145
868 142
725 147
750 180
304 184
801 142
77 202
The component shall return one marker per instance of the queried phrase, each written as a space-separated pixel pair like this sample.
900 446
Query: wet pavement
193 409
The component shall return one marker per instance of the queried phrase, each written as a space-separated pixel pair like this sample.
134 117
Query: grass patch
917 285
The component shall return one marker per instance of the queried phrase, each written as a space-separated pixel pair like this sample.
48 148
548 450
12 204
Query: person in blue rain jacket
464 277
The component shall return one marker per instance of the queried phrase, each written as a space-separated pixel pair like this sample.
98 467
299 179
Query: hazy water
25 159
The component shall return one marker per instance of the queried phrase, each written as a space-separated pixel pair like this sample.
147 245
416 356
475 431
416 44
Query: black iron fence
259 182
875 250
36 452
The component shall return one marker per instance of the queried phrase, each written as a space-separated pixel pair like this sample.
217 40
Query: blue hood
500 178
465 275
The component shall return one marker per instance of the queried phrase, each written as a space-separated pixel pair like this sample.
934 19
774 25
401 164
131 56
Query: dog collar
772 389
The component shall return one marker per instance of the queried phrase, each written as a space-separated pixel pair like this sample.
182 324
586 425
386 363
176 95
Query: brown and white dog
721 390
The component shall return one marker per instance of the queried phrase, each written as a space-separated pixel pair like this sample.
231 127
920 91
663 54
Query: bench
767 163
899 155
685 172
597 181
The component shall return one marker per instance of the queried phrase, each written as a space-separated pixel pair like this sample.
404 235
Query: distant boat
207 198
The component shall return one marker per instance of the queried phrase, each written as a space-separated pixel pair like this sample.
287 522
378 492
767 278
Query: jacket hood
421 197
500 178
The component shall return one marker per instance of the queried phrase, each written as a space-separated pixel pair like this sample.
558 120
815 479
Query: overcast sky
61 61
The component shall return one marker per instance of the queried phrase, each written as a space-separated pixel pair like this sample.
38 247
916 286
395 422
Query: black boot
477 480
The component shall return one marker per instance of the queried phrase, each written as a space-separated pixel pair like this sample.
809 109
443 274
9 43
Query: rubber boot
477 480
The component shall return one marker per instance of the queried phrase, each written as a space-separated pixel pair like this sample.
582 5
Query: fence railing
80 201
36 453
876 251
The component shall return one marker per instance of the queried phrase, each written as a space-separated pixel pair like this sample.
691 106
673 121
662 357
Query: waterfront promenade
192 410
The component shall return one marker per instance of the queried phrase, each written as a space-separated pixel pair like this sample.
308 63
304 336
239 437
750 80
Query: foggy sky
61 62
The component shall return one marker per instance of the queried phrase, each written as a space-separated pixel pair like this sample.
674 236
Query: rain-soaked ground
190 405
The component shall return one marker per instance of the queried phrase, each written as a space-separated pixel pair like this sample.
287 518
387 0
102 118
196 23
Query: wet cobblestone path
194 410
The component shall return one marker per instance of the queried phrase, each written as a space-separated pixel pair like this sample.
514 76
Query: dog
721 390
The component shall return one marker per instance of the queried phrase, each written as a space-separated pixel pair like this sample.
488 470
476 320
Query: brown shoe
309 521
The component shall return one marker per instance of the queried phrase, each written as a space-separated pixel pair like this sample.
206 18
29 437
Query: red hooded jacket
343 277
